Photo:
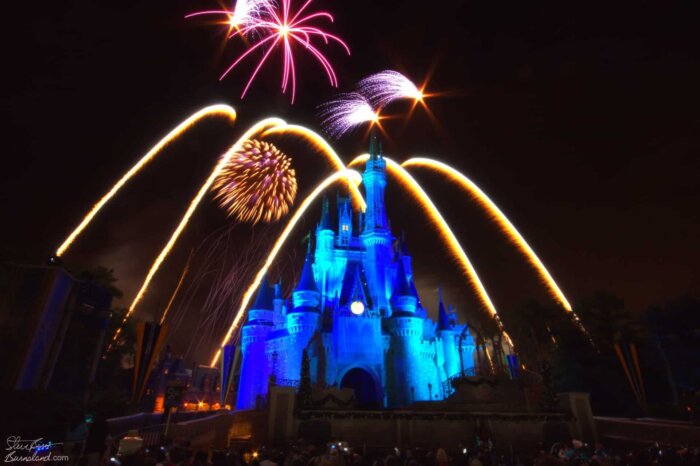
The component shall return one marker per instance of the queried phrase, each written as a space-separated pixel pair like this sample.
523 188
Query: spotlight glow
357 308
414 188
351 176
213 110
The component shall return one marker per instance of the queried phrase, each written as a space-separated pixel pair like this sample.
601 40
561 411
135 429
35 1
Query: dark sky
581 121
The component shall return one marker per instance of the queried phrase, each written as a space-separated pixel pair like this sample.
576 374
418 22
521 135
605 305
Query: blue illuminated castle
357 314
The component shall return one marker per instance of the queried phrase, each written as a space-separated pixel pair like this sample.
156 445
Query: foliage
304 394
115 370
102 276
608 321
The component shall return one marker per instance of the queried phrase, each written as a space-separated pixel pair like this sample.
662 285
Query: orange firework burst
257 184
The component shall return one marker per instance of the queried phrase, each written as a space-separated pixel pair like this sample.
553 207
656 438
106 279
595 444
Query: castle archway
366 392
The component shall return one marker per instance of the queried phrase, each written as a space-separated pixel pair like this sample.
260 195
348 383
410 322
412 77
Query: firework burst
344 113
248 12
278 26
384 87
257 184
243 16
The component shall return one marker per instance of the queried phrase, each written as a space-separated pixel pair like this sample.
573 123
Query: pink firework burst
277 26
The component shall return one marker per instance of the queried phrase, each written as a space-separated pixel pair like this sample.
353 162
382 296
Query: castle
356 313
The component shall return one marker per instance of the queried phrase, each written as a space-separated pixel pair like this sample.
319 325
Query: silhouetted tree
614 330
304 393
674 333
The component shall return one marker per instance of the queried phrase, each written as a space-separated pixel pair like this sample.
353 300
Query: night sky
581 122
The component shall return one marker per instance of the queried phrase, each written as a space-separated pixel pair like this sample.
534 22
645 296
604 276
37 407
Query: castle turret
446 334
403 299
306 296
406 330
303 320
255 368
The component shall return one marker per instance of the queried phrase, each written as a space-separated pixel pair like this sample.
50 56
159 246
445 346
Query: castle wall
255 367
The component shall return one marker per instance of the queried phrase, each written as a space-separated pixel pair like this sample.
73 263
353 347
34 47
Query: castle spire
278 289
373 143
374 180
402 300
263 300
402 244
402 286
325 215
307 281
443 321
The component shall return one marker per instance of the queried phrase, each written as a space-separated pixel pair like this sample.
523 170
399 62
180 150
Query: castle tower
323 256
446 334
303 320
255 368
375 235
344 221
406 332
279 317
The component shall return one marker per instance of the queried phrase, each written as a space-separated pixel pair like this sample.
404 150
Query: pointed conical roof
403 288
307 281
373 144
265 296
325 223
402 244
354 286
443 321
414 293
278 289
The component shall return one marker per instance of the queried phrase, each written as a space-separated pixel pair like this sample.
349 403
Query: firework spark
385 87
321 145
212 110
503 223
278 26
244 15
498 216
345 113
177 288
413 187
257 183
346 174
255 129
248 12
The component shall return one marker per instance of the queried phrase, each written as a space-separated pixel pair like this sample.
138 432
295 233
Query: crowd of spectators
337 453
